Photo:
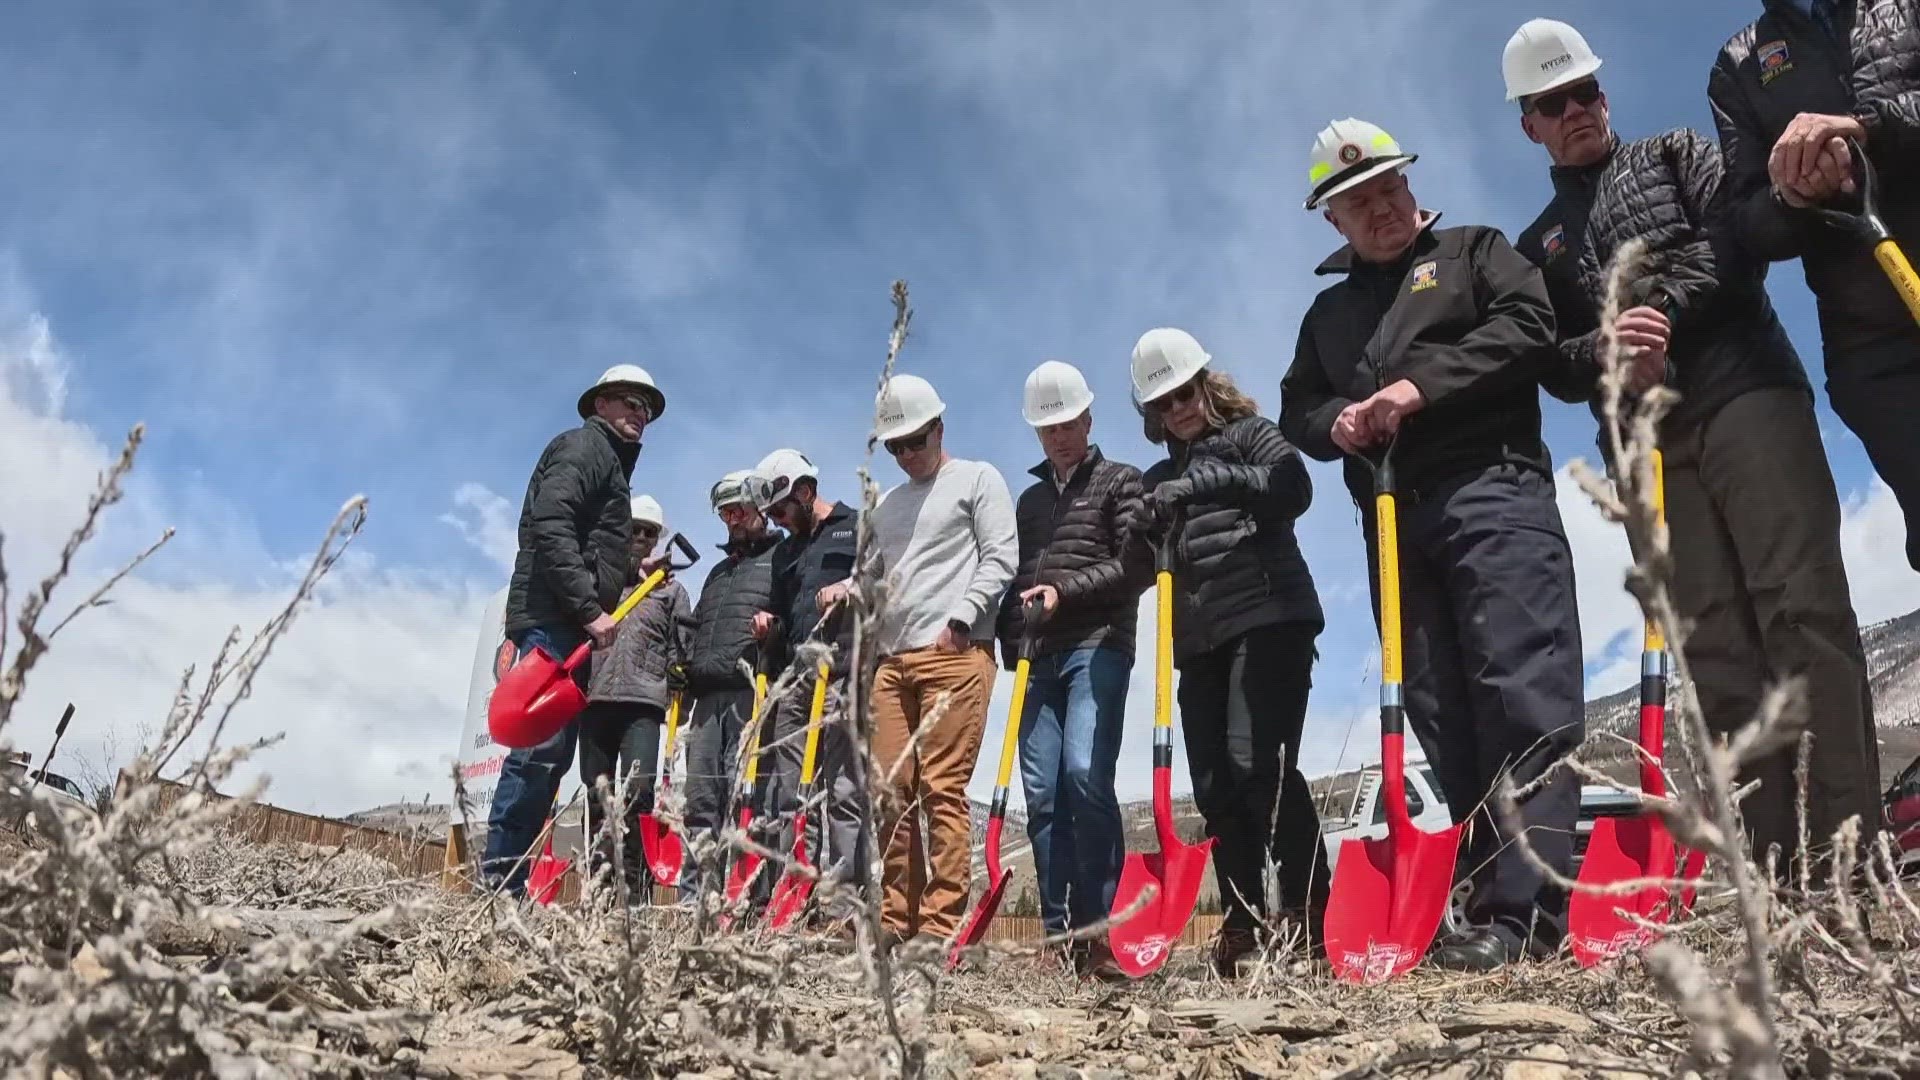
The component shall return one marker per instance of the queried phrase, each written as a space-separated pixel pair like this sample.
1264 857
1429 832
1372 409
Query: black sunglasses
1177 396
1552 105
907 444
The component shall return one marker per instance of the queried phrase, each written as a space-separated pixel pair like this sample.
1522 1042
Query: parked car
1366 819
48 785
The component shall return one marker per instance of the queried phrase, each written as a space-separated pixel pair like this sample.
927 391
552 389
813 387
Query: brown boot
1098 963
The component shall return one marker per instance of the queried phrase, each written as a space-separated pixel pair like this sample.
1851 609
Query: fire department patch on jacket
1775 61
1554 240
1423 276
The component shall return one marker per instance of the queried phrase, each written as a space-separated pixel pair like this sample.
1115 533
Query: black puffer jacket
1073 541
1726 338
802 566
1236 563
1461 315
1781 66
737 587
576 528
652 638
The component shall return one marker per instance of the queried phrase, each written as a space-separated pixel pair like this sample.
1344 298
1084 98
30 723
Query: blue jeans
1069 741
529 778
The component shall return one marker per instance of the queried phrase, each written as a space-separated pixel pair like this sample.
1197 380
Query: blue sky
323 249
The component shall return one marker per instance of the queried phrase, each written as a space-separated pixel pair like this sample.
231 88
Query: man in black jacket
812 571
1433 345
1072 524
1786 91
1752 513
739 586
574 558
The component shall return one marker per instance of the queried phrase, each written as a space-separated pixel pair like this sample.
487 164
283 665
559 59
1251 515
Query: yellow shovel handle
1900 272
1015 709
633 598
1655 640
753 744
1163 650
673 726
813 725
1387 538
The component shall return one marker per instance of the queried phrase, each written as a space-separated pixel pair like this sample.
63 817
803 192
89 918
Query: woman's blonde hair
1221 402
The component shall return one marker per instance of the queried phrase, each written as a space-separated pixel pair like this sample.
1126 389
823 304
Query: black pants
613 731
1754 523
1494 676
713 735
1875 390
1242 707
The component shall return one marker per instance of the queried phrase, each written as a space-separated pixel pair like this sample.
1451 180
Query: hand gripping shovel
975 927
537 696
1142 941
747 866
1388 894
1602 925
666 852
1867 224
796 885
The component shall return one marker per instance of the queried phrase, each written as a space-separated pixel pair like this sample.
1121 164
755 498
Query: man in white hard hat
739 586
1787 91
575 530
627 699
1072 525
813 569
944 541
1432 344
1750 501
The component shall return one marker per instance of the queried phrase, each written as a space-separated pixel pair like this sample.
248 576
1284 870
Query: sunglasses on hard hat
1178 396
1554 104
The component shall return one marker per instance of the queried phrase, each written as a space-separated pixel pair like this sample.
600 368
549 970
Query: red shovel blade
533 701
1601 925
745 868
790 895
1142 942
1386 902
543 879
666 852
975 928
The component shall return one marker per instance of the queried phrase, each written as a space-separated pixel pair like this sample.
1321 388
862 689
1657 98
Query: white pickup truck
1366 819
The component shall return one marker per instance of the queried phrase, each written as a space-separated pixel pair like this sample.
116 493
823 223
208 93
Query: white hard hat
626 375
731 489
1164 359
773 479
1055 394
1350 152
1543 55
905 405
646 508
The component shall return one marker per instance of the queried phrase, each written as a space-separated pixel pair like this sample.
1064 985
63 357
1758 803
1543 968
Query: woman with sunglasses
627 697
1245 617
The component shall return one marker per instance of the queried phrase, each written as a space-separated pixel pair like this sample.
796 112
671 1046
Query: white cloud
487 521
368 687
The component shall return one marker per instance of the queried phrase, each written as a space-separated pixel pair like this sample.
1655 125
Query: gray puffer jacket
654 637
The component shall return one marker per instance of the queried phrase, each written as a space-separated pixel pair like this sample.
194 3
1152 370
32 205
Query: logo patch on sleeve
1775 61
1425 276
1554 241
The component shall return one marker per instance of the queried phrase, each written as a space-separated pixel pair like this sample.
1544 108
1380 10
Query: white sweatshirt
947 550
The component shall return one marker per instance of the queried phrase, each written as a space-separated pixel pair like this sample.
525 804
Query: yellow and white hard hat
1350 152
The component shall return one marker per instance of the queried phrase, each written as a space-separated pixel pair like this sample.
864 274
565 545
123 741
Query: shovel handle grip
679 540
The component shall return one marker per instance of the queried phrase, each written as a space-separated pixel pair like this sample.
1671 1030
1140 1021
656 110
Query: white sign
480 757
